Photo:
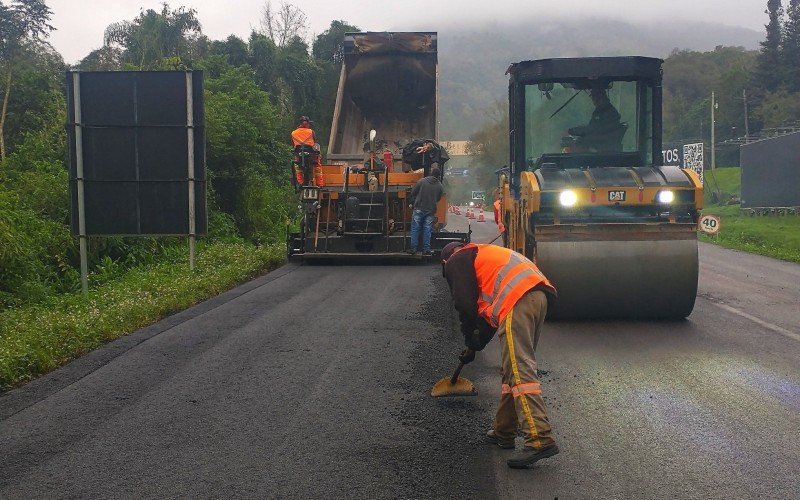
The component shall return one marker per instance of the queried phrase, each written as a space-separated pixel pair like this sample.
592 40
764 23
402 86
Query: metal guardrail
767 133
770 211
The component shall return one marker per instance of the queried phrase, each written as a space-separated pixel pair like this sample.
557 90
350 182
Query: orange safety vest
303 137
498 215
504 276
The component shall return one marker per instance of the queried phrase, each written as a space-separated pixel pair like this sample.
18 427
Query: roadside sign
477 195
693 158
709 224
672 155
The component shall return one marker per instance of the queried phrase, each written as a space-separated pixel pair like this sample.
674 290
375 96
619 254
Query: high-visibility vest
498 215
504 276
302 136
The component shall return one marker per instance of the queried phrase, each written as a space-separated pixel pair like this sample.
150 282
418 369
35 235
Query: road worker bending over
497 290
305 143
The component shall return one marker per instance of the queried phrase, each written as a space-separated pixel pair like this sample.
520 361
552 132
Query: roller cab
586 196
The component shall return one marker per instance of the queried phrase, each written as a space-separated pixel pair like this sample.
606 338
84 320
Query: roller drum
645 279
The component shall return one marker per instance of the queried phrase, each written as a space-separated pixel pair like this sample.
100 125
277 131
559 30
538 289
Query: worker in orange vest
498 291
303 139
498 212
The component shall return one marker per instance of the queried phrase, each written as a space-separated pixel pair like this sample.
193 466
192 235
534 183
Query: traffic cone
480 216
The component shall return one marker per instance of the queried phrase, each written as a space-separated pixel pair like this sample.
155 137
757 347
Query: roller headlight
568 198
666 197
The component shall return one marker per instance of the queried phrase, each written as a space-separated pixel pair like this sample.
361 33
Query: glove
467 356
472 340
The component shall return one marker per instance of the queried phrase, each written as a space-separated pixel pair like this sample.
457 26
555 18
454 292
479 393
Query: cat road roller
586 196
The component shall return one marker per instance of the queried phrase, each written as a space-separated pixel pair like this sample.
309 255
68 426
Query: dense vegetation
254 90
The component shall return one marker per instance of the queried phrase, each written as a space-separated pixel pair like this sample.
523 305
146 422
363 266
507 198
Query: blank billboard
771 172
130 135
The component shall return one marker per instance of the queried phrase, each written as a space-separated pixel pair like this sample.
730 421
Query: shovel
454 386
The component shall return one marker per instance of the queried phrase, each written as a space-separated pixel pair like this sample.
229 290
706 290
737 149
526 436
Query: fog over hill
473 59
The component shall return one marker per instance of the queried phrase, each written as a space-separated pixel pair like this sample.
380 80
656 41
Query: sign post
76 95
190 164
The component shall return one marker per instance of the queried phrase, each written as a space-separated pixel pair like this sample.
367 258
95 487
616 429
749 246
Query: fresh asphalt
312 382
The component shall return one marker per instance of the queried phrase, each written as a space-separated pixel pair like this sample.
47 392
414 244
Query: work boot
411 251
492 438
530 456
427 253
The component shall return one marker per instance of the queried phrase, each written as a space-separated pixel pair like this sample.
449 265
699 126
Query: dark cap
598 92
450 249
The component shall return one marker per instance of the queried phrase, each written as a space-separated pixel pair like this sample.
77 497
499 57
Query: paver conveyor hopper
586 196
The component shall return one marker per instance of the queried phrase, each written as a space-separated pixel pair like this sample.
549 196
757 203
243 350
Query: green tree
301 78
689 79
154 36
778 108
38 94
106 58
489 145
263 59
327 45
247 154
23 26
791 46
770 68
233 48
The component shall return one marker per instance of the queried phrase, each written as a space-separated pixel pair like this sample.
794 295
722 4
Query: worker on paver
304 142
498 291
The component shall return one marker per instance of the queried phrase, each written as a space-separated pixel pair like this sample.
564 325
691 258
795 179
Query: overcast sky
80 23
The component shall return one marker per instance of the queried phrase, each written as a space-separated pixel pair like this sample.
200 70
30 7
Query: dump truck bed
388 82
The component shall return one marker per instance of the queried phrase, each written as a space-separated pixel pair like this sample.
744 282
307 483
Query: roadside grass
772 236
38 338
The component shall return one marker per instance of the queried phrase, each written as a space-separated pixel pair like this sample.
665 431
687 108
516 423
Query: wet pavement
312 382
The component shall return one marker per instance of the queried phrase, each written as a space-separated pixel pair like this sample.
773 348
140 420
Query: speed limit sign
709 224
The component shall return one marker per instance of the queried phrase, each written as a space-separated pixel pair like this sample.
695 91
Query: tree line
254 91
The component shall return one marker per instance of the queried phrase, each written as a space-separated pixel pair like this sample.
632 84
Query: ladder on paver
366 212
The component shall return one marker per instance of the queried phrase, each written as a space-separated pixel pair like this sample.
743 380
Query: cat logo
616 196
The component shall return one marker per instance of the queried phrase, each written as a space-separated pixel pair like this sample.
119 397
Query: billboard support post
76 94
190 162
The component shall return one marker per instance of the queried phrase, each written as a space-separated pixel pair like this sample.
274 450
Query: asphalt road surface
312 382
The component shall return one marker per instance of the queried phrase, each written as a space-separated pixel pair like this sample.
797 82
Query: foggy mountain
473 59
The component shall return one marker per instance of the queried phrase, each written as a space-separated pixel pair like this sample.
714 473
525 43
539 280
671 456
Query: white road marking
770 326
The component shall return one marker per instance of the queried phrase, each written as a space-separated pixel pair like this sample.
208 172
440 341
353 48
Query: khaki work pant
521 403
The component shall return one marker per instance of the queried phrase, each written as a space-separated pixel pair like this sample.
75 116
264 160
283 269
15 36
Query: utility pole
713 132
746 121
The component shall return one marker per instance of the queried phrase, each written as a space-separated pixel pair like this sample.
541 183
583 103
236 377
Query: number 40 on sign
709 224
